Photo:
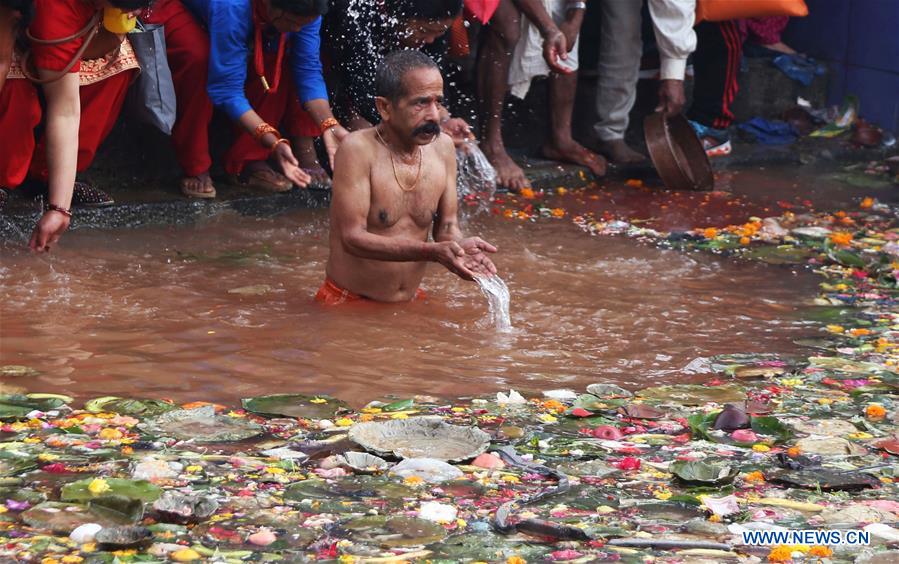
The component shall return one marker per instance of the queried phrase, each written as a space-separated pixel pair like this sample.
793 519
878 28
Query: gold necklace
396 176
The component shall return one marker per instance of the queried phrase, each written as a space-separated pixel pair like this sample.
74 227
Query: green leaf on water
295 405
401 405
770 425
132 489
126 406
696 472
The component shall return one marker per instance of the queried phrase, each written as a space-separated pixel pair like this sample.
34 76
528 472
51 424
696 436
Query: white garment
621 46
527 60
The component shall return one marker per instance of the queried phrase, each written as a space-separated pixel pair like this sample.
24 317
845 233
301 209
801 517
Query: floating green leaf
125 406
295 405
696 472
131 489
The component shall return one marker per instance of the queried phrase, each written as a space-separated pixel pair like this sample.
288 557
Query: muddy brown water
152 313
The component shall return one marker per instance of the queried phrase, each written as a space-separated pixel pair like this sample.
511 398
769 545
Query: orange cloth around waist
331 294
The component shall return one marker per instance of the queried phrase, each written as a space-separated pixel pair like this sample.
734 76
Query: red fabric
187 49
767 31
259 22
481 9
101 104
54 19
20 113
330 294
280 108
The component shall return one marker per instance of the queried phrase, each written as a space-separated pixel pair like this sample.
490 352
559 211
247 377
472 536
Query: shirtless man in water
393 184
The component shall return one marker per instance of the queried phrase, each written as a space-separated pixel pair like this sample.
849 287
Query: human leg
20 113
187 50
621 46
501 35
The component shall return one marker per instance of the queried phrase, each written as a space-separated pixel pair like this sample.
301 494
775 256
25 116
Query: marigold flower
561 191
516 560
413 481
866 203
875 411
634 183
110 434
554 405
755 477
98 486
709 232
745 240
841 238
527 193
859 332
820 551
780 554
558 212
343 422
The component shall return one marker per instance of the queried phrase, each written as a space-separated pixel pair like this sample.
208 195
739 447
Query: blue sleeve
230 24
306 64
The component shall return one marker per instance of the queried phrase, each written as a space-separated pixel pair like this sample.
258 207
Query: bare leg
561 146
493 78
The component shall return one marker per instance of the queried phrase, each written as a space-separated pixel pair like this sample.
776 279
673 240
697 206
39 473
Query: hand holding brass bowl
677 153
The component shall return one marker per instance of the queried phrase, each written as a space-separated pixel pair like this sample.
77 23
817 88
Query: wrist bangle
262 129
60 209
278 142
328 124
576 6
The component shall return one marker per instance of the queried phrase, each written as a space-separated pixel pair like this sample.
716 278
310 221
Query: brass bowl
677 153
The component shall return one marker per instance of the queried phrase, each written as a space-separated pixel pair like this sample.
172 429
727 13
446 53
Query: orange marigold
745 240
554 405
875 411
793 452
780 554
841 238
820 551
754 477
634 183
527 193
866 203
709 232
558 212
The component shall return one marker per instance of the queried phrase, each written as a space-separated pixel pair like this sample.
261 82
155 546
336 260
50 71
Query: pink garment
766 30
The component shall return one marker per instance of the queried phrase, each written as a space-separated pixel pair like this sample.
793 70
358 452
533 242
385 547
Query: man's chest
405 196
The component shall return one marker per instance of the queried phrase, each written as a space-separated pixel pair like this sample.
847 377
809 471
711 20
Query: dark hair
302 7
131 4
389 79
428 9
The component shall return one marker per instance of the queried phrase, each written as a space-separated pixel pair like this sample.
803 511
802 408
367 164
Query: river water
224 310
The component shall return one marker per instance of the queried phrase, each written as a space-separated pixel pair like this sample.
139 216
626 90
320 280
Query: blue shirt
230 25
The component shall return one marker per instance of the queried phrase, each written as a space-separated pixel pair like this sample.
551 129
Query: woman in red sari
84 73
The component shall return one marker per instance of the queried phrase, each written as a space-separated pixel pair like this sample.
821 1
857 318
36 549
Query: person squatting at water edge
248 41
394 183
84 70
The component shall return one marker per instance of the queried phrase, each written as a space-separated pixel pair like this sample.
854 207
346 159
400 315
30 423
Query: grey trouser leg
621 46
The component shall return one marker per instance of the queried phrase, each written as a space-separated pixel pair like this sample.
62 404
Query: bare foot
508 173
782 47
618 152
199 186
573 152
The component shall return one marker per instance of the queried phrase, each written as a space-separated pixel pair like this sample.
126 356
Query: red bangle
262 129
60 209
328 124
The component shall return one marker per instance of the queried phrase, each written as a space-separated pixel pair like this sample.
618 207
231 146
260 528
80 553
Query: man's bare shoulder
445 147
359 142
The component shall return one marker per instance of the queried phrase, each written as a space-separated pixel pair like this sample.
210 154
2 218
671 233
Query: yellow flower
346 559
561 191
274 470
835 328
400 416
47 457
413 481
49 560
365 417
547 418
780 553
516 560
820 552
110 434
98 486
825 401
89 547
860 435
72 559
318 400
760 448
715 518
875 411
193 469
343 422
185 555
510 478
461 523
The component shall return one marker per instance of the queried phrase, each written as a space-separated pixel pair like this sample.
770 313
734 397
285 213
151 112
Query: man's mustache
429 128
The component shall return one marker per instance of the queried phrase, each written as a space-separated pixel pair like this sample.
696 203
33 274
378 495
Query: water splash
497 294
476 181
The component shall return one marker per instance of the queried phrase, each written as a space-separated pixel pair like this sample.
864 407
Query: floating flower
516 560
98 486
755 477
527 193
634 183
709 232
875 411
628 463
110 434
820 551
841 238
780 553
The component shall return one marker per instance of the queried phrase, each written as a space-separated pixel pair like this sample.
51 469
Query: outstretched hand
48 230
290 166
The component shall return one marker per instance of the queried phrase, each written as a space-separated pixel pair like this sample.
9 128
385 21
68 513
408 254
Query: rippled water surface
154 312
